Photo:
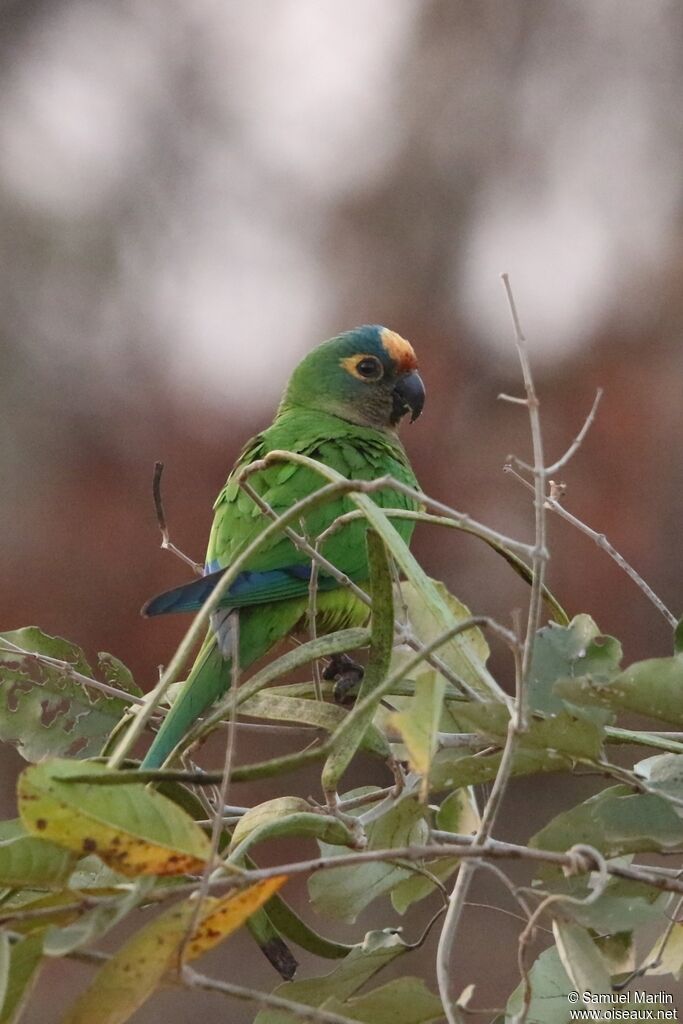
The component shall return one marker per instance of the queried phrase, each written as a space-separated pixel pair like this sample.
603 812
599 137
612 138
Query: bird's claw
347 675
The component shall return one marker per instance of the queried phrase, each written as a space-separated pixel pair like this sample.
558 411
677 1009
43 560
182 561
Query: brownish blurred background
193 193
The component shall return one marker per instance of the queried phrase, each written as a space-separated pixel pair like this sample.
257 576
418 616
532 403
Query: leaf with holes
653 688
561 652
44 710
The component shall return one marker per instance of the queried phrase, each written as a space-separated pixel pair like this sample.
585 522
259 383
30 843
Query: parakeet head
367 376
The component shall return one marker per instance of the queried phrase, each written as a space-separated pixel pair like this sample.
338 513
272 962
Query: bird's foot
347 675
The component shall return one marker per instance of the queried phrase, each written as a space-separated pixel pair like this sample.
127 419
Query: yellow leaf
221 917
418 723
131 976
133 829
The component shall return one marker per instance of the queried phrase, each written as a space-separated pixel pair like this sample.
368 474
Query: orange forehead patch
400 351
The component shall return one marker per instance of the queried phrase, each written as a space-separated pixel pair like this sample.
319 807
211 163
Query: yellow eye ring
365 367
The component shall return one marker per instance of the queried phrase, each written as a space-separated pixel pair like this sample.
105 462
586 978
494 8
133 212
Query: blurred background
193 193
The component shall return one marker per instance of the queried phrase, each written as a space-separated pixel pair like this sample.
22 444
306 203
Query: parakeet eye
369 367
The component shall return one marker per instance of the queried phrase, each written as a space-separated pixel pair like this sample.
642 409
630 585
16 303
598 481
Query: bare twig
300 1010
166 542
540 551
553 504
527 934
578 440
518 719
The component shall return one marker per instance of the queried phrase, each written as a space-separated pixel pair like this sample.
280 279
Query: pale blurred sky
210 141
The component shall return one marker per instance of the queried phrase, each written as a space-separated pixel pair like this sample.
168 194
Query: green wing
355 452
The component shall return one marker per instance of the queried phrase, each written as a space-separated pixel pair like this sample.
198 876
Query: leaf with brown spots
133 829
131 976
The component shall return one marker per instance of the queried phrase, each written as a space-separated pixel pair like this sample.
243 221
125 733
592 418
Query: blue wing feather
247 589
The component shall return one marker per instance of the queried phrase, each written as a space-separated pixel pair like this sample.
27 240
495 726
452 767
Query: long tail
259 629
208 679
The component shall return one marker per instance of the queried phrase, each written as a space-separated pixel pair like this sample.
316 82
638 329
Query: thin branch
166 542
540 551
553 504
527 934
518 720
319 561
201 619
578 440
300 1010
513 399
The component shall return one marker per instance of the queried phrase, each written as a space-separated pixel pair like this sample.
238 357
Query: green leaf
27 861
132 828
678 637
578 649
63 939
618 952
671 960
615 821
268 939
286 816
376 951
344 892
566 733
24 962
664 773
623 904
44 711
456 814
550 987
458 651
471 648
117 674
293 927
5 954
418 723
580 958
349 736
451 770
402 1001
276 707
653 688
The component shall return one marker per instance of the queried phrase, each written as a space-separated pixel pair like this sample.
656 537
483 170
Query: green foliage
47 707
96 842
343 892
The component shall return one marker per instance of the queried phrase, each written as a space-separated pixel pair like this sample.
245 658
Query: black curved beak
409 396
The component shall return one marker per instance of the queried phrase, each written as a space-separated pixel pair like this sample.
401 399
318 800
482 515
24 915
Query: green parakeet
342 407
